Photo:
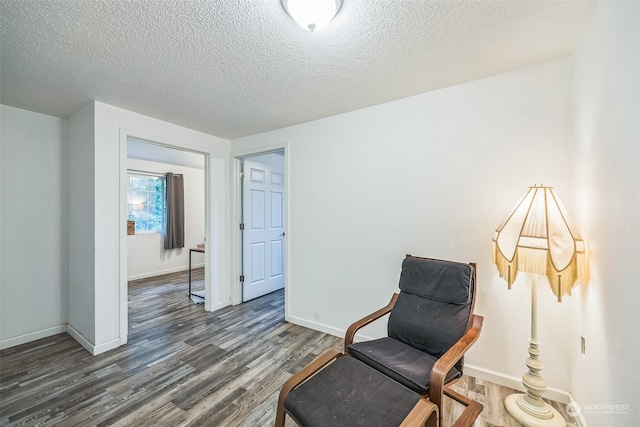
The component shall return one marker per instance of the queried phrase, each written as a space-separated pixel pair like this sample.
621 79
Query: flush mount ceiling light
312 14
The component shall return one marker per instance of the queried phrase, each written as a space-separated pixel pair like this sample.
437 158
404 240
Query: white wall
112 126
607 180
430 175
81 180
81 226
146 255
33 283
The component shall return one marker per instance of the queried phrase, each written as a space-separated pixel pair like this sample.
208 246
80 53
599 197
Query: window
146 202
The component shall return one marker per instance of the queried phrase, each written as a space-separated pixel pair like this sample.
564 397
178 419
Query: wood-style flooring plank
182 366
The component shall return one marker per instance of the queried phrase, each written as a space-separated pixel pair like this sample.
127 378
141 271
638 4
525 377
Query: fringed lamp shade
538 237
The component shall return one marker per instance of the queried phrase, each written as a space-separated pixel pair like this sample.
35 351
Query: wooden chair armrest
300 377
423 414
351 331
444 364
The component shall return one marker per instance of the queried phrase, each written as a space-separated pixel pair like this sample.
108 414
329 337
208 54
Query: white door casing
263 234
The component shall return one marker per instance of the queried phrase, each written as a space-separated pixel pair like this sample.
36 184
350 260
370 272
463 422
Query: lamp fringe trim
537 261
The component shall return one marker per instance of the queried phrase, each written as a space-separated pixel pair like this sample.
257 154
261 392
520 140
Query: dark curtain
174 227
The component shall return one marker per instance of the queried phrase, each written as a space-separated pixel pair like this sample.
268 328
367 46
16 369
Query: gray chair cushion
445 281
427 325
434 305
349 393
405 364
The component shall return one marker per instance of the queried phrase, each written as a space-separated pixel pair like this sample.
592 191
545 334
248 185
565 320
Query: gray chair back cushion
434 305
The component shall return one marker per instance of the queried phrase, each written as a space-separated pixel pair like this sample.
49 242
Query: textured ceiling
233 68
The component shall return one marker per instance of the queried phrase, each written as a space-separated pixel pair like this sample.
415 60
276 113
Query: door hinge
241 226
241 175
242 278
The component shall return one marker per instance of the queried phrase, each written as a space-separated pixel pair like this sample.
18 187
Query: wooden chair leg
280 415
471 412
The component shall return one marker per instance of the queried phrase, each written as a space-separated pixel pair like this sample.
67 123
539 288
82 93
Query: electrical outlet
582 346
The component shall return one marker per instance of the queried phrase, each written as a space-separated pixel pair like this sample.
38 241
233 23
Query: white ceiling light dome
312 14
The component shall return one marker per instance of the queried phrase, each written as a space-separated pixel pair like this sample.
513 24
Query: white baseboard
580 418
23 339
88 345
84 342
160 273
106 346
316 326
505 380
218 306
336 332
91 347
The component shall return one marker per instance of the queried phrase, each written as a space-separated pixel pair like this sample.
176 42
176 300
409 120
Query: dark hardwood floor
182 366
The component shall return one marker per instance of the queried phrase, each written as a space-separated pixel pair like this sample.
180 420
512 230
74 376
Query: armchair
430 327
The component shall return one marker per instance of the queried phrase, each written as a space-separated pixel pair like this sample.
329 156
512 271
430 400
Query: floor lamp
537 237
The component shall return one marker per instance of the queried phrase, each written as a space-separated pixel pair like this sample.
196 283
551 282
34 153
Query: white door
263 235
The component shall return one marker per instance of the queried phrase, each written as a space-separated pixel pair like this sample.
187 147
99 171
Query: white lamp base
530 416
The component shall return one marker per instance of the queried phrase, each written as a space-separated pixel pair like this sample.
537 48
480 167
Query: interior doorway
262 229
146 156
